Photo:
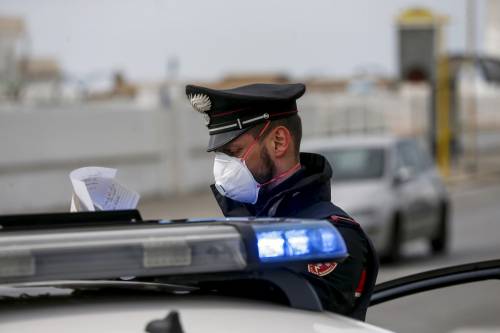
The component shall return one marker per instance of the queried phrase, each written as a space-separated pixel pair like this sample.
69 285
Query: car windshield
351 164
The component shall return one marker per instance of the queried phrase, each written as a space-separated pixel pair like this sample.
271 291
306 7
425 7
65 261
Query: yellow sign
420 16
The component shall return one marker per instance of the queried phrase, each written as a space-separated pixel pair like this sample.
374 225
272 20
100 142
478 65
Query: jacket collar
308 185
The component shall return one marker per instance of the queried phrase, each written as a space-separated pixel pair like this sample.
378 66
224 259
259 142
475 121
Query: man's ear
280 141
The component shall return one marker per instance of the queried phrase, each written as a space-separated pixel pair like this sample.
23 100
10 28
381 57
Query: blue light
298 240
270 244
328 241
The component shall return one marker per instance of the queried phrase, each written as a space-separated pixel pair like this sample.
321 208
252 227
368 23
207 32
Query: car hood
353 196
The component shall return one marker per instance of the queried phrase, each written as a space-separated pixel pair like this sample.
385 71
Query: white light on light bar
138 251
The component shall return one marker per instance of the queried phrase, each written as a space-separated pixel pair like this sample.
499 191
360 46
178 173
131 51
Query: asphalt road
467 308
475 236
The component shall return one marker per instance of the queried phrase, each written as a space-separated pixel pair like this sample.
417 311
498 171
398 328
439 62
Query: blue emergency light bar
282 242
161 249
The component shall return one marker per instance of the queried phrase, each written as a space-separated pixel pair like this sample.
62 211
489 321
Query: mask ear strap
245 155
284 174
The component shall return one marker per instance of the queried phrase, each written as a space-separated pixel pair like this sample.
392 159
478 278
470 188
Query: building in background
41 80
492 26
14 43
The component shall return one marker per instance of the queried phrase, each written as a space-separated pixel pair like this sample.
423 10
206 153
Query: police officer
255 132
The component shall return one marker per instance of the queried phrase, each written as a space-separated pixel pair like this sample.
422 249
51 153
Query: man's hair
292 123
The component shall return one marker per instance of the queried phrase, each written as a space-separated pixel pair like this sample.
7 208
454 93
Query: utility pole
442 107
471 106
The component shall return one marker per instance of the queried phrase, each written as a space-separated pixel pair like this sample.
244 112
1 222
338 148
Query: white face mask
234 180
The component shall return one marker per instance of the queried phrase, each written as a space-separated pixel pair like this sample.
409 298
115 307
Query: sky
213 38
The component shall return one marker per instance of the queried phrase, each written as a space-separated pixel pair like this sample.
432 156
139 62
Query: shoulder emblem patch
322 269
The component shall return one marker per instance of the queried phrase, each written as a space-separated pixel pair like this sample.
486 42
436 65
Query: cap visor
218 140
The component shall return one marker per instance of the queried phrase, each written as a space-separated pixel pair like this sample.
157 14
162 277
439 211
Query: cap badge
200 102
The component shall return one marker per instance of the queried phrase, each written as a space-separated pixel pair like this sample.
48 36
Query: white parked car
390 186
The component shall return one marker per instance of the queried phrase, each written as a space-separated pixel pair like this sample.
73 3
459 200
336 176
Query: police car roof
196 314
368 141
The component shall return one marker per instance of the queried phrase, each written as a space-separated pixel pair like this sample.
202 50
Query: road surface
467 308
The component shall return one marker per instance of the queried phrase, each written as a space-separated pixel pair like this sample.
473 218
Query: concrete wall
39 147
156 151
189 137
403 112
162 151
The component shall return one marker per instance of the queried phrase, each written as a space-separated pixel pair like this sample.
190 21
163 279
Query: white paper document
95 188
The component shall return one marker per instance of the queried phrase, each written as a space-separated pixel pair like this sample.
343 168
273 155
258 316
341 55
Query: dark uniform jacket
345 287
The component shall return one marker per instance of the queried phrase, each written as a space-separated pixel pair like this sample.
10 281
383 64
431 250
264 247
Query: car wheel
439 244
393 253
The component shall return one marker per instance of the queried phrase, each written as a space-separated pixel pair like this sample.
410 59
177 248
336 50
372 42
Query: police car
113 272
